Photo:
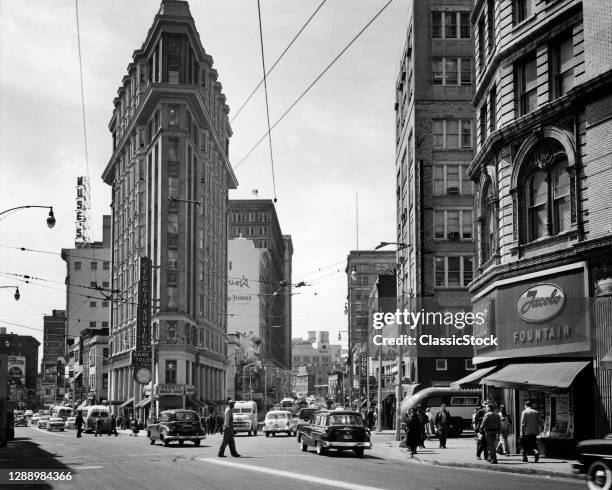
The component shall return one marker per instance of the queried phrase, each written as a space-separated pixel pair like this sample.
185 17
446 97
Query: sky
336 144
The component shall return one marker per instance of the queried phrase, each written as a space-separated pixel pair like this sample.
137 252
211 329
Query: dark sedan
21 421
339 429
595 461
176 425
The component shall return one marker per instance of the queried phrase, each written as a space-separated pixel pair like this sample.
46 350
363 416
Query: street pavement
109 462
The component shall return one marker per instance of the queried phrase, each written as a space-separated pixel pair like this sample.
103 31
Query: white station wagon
280 421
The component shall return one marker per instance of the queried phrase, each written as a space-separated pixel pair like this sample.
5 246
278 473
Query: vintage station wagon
341 430
176 425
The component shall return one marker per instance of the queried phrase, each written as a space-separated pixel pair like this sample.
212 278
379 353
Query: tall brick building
544 169
435 217
170 175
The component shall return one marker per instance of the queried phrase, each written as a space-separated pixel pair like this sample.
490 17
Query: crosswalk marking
289 474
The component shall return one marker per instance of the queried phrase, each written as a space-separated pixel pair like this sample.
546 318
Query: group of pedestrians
120 421
421 426
212 423
492 426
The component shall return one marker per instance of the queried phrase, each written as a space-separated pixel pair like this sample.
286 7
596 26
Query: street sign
141 358
170 389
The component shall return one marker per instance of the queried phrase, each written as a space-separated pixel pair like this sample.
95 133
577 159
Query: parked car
42 421
278 421
29 414
34 419
70 423
55 423
595 461
176 425
340 430
21 421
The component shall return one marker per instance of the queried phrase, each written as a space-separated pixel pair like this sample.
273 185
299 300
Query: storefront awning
546 376
195 403
143 403
127 403
472 378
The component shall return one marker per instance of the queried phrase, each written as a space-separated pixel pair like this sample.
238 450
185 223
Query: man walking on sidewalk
78 422
113 426
228 431
490 427
481 442
442 424
531 423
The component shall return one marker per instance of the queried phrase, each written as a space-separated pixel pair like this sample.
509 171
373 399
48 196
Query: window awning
143 403
127 403
547 376
472 378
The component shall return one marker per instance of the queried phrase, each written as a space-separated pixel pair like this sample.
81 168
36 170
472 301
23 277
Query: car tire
304 446
165 441
321 451
289 433
299 437
358 452
599 476
250 433
255 432
181 442
267 434
152 440
197 442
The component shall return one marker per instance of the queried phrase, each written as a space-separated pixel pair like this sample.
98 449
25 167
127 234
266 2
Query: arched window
488 222
537 205
560 197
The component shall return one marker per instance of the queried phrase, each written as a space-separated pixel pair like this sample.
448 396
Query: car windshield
241 410
57 419
345 419
186 416
276 416
306 414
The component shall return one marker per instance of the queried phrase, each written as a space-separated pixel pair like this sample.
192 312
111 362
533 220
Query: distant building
96 362
318 358
87 269
22 367
53 358
256 220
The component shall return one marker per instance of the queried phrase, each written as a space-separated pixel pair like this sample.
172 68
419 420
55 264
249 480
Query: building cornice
548 114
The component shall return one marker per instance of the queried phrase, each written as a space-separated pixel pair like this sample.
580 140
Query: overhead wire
250 96
265 82
76 5
314 82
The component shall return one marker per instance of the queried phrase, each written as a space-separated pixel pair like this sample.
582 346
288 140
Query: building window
104 304
92 324
483 123
93 265
560 198
453 224
106 265
464 23
450 25
436 25
441 365
451 179
537 196
492 109
469 365
521 9
488 222
481 44
490 26
173 115
526 85
92 304
453 271
170 371
561 58
77 266
445 71
104 324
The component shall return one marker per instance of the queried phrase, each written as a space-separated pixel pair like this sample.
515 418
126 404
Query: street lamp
16 295
50 218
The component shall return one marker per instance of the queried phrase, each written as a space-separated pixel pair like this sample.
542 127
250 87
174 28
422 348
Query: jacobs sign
540 303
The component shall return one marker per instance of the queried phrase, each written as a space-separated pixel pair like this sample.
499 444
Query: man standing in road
78 422
228 431
531 423
98 427
490 427
442 422
113 426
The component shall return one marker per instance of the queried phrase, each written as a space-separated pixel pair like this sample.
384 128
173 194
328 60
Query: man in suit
228 431
442 422
531 424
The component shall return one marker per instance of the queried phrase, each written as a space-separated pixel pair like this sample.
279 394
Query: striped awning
127 403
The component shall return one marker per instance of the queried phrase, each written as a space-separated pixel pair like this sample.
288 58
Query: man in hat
228 431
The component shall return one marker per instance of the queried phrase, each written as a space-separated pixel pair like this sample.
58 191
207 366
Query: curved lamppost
50 218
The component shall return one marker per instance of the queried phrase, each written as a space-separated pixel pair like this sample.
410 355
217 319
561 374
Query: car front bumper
578 469
183 438
346 444
279 429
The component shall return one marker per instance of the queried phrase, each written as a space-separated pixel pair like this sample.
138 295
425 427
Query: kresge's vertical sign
143 313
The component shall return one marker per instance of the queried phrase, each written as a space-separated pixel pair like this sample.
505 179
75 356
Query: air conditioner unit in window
453 235
452 190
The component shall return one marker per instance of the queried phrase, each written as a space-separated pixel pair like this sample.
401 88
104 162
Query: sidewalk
461 452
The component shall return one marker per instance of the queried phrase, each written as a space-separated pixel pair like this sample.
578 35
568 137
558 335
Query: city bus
61 412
